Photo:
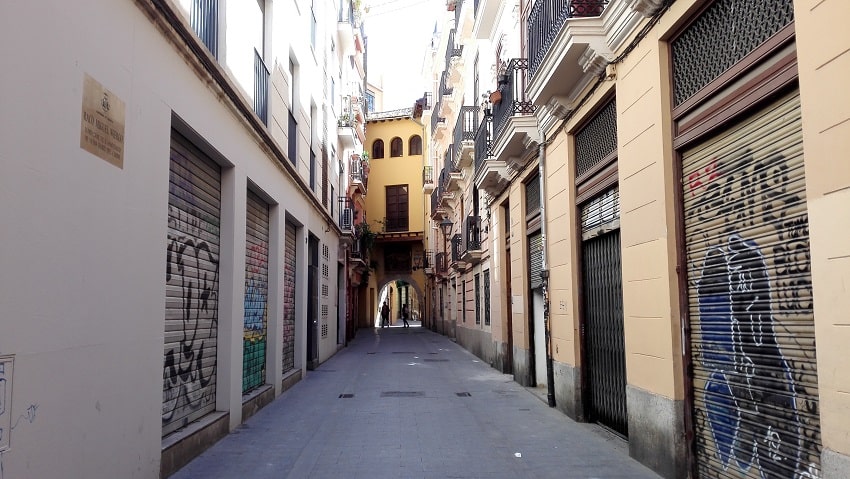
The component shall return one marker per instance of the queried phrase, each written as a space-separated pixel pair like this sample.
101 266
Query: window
415 147
397 208
312 170
477 298
293 138
463 304
378 149
370 101
396 147
332 201
487 297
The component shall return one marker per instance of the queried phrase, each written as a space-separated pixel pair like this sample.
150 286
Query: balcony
437 209
514 125
427 262
455 174
472 234
261 88
491 174
454 61
440 264
204 21
358 172
346 130
487 13
345 27
458 263
346 221
428 179
464 138
570 42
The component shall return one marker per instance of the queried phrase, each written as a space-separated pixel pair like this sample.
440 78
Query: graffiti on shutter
191 276
535 259
750 299
289 262
256 293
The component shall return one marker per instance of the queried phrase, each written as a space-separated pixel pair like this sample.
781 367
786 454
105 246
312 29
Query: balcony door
398 209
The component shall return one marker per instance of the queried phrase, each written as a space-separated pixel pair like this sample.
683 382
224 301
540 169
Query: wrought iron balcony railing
204 20
457 247
440 263
483 139
444 87
546 19
466 127
428 175
261 88
435 116
435 201
472 231
512 86
452 49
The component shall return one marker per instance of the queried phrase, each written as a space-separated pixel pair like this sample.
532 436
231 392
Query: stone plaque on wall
102 123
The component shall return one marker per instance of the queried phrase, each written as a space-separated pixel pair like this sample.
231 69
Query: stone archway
408 278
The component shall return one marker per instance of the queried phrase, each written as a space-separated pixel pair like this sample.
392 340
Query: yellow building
678 275
395 213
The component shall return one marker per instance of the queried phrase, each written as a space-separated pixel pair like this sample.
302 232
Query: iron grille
546 19
261 88
428 175
472 229
601 210
487 297
477 286
532 196
513 100
482 142
204 20
604 331
457 247
597 139
723 35
466 127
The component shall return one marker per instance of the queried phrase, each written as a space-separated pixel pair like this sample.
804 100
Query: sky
399 34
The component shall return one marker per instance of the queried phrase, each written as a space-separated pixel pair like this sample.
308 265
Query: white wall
82 262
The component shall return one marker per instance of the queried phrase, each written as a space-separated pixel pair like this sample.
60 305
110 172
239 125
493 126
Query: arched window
415 147
396 147
378 149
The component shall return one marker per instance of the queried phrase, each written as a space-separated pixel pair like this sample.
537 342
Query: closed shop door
750 299
604 338
256 293
191 303
289 262
535 255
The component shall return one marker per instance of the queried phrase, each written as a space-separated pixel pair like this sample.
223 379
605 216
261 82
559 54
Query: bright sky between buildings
399 36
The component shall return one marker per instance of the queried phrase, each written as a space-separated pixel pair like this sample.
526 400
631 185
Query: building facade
174 228
395 207
661 217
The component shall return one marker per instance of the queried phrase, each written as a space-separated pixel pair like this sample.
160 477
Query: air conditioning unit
346 220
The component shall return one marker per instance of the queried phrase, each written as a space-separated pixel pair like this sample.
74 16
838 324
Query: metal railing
452 49
512 86
346 12
435 201
546 19
261 87
444 88
457 247
427 175
440 263
466 127
435 116
483 138
472 232
204 21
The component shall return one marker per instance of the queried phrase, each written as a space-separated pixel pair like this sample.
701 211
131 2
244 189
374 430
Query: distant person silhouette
385 315
404 314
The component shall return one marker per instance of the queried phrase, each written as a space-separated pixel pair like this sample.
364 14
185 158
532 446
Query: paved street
421 407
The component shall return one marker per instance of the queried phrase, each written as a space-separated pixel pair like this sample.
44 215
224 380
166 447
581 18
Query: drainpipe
544 272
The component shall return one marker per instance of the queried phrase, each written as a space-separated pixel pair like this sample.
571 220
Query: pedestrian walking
404 314
385 314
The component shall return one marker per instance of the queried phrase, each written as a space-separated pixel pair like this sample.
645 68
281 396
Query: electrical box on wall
6 363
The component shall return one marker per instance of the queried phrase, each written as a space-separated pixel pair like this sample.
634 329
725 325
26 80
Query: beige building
676 276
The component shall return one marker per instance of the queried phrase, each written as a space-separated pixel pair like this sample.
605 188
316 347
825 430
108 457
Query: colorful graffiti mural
256 299
756 398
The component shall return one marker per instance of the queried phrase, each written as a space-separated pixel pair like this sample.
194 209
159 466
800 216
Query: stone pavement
420 406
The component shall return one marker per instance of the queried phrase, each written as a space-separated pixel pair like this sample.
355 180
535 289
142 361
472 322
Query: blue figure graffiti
753 413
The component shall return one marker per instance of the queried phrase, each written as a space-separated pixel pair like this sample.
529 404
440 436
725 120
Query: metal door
191 286
289 261
256 293
313 304
604 338
750 299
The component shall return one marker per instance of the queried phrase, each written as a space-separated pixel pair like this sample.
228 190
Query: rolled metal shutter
289 298
191 303
256 293
535 259
750 299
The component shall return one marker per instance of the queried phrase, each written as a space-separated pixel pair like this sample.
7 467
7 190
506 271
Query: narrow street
409 403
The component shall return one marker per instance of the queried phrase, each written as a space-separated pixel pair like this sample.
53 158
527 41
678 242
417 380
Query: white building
169 220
